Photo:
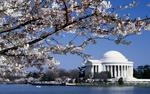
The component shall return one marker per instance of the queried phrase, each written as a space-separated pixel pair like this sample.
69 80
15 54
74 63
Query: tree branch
47 35
57 29
66 9
19 26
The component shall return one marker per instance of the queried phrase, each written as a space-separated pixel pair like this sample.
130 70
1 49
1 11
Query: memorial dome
114 56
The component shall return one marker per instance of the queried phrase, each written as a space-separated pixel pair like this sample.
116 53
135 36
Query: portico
118 71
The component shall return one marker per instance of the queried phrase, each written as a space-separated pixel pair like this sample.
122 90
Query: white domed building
114 62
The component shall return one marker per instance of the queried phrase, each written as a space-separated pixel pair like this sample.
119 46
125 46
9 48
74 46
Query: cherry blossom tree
29 28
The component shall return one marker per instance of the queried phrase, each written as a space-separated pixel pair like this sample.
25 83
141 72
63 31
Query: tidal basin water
29 89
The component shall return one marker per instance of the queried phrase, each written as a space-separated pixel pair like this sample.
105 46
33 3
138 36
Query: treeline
142 72
52 75
75 75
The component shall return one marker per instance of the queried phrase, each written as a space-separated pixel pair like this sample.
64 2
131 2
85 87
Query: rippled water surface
29 89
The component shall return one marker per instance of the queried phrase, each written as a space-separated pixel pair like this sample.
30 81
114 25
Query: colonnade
118 71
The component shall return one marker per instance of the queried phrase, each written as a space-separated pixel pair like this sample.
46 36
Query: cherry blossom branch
46 35
20 25
66 9
62 27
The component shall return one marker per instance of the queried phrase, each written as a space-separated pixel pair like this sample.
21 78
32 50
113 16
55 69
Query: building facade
113 62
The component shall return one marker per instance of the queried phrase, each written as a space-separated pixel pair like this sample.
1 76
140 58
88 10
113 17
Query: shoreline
81 84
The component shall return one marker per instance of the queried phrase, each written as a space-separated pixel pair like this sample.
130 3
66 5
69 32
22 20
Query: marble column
115 72
118 71
111 70
97 69
92 69
122 71
129 71
126 71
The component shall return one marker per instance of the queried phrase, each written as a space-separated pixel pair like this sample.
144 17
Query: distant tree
146 73
74 73
63 73
142 72
136 73
82 71
33 74
50 75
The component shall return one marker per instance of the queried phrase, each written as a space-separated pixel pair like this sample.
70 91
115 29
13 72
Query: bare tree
32 30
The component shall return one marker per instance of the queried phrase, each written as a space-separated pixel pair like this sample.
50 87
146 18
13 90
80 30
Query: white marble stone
117 64
114 62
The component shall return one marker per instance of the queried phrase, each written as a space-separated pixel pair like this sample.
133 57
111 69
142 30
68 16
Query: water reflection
113 90
121 90
29 89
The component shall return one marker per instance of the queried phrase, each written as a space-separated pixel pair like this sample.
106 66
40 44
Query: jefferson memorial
115 63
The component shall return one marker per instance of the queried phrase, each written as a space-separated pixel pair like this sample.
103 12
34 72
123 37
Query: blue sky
138 51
